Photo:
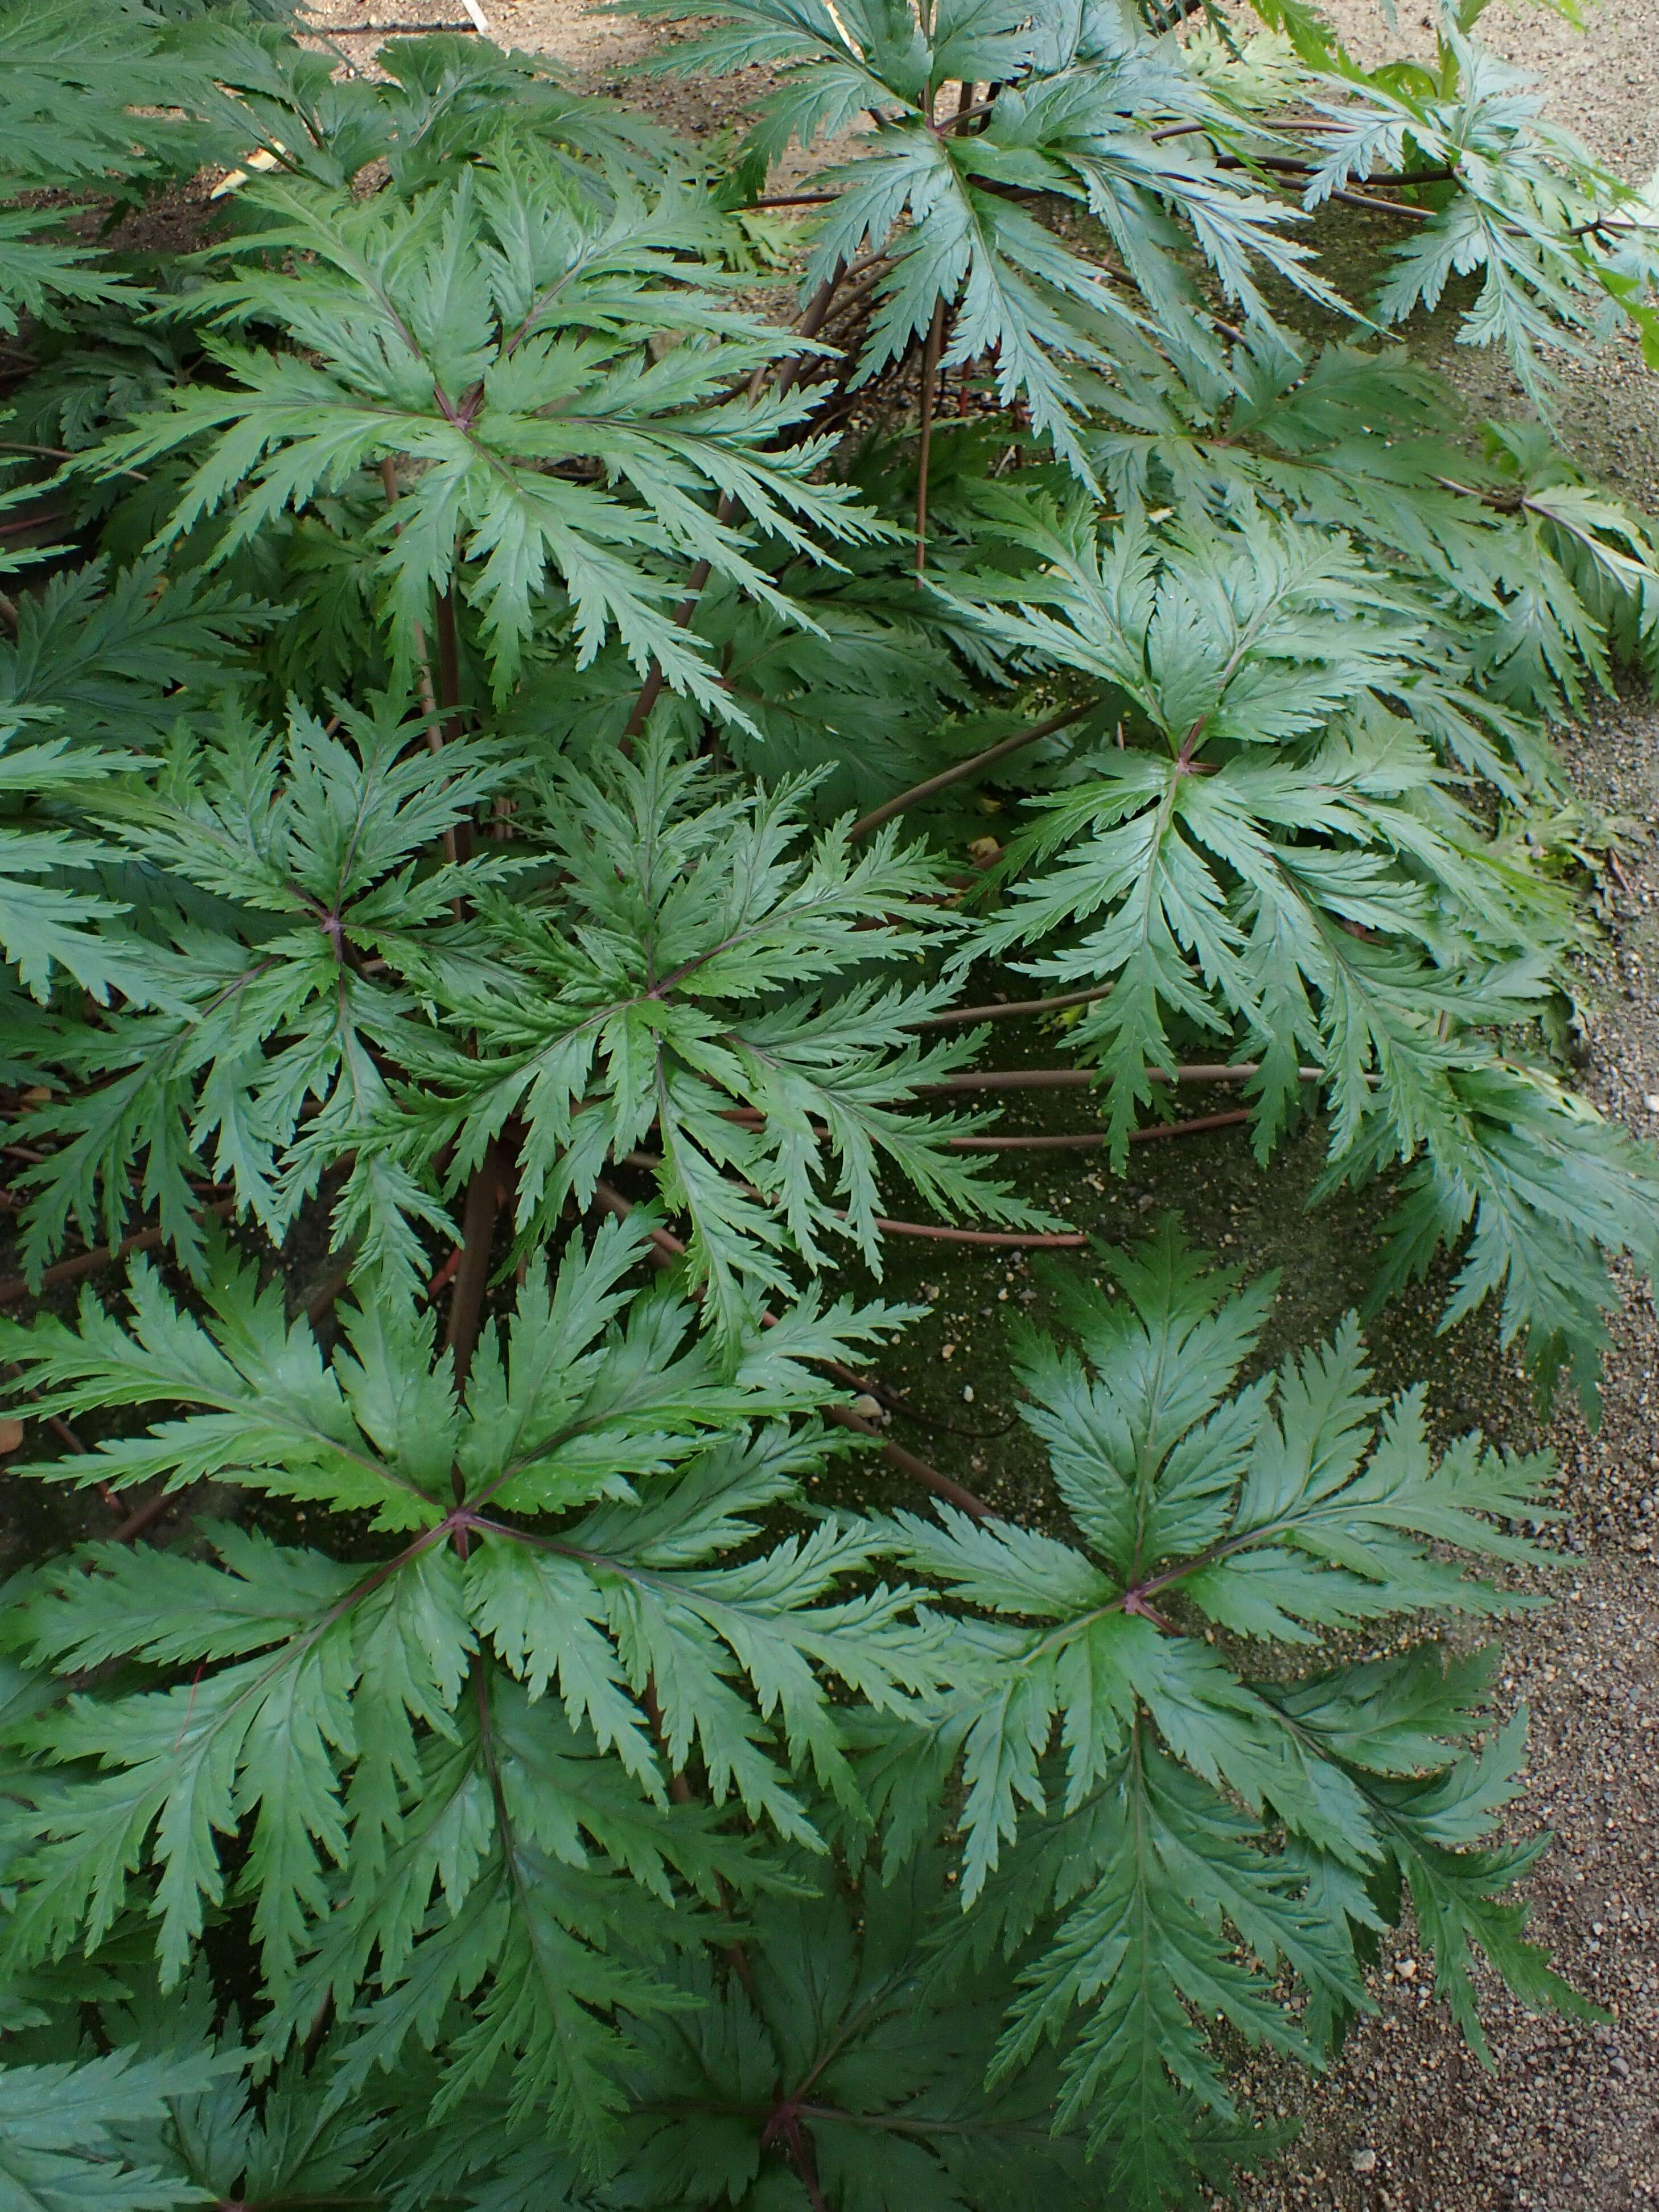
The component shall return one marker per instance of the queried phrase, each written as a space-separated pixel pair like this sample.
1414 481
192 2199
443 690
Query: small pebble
1363 2161
866 1408
1407 1969
1652 1101
947 1352
967 1394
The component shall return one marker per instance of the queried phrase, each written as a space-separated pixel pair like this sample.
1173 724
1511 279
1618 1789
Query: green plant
465 663
451 1756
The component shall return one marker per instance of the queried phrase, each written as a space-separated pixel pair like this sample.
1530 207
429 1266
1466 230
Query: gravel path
1569 2116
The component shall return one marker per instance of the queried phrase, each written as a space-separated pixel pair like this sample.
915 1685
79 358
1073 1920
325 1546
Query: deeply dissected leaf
720 1000
369 1716
491 339
1280 863
1105 1755
61 2129
525 1776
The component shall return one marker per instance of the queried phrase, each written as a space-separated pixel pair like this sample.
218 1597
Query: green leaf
705 981
61 2128
1279 861
487 335
1105 1753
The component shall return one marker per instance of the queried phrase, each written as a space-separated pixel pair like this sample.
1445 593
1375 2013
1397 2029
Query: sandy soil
1568 2117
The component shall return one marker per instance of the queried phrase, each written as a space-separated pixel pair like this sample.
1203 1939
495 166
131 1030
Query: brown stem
27 522
332 1285
920 1471
967 112
1069 1078
1384 207
472 1276
8 612
457 839
1292 165
1010 1079
811 318
1503 501
63 453
1091 1140
651 689
930 354
934 784
849 299
61 1429
449 654
667 1249
679 1787
1445 174
146 1515
1295 123
322 2020
1002 1010
15 1288
1039 1240
1135 1602
784 2120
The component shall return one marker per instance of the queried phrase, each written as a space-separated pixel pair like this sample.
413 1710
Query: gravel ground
1568 2116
